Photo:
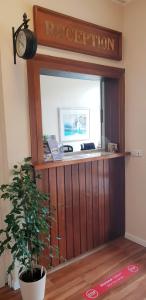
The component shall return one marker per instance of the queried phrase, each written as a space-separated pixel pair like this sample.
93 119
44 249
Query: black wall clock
26 44
24 41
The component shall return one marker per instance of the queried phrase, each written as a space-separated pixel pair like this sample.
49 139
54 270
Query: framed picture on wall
74 124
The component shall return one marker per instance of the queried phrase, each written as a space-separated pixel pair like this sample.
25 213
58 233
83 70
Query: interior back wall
70 93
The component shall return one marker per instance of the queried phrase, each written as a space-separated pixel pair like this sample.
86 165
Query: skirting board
135 239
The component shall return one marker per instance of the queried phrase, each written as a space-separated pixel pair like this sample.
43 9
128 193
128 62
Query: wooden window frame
45 62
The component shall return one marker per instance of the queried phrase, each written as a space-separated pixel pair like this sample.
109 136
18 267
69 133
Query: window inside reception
71 109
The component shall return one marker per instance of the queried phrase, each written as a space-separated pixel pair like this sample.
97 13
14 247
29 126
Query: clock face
21 43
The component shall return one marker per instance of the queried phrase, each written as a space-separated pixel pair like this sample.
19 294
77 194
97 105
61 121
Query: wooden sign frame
64 32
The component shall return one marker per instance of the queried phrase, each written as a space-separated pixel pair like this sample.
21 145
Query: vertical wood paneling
112 109
101 212
83 208
54 200
42 182
117 203
106 201
76 209
119 195
43 185
61 213
89 206
122 194
116 178
95 203
112 200
69 212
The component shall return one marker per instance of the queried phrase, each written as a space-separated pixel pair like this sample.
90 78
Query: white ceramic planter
33 290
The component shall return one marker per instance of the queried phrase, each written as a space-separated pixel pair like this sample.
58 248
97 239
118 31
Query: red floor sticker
111 281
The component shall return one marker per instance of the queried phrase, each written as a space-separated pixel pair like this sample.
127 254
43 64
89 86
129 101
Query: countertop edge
61 163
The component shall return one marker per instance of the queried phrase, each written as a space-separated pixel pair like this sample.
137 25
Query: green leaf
14 248
11 267
5 196
27 159
29 223
20 270
15 166
2 249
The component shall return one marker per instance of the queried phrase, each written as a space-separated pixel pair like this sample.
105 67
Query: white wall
70 93
14 77
3 173
135 63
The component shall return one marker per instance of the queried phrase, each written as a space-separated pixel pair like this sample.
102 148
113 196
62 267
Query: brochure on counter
55 148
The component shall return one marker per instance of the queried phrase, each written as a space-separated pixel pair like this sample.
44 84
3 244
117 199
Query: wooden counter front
89 200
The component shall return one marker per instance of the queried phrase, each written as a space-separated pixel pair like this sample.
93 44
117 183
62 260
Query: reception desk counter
80 157
87 191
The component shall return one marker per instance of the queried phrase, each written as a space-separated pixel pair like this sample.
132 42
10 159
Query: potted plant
30 218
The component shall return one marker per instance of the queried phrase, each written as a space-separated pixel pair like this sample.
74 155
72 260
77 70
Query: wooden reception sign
60 31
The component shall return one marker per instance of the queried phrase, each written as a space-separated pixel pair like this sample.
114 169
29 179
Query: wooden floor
71 281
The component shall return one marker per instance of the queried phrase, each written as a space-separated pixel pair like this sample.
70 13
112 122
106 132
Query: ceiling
123 2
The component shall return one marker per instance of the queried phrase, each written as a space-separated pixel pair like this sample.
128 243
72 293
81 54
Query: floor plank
73 280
